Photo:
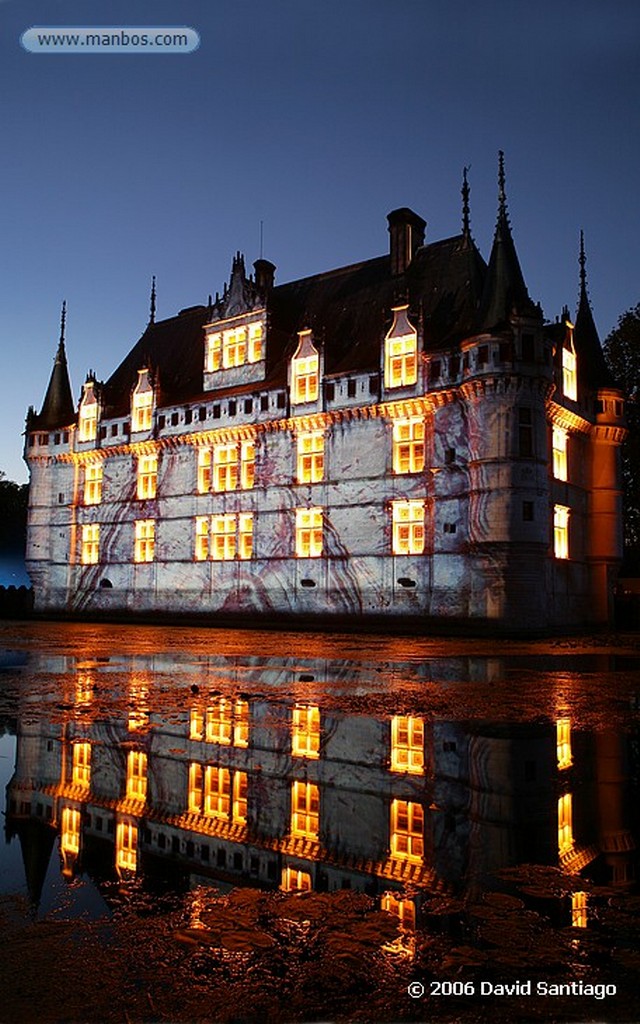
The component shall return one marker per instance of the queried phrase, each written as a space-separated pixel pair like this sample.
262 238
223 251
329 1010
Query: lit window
579 909
559 446
310 468
408 446
565 823
403 909
305 810
214 352
195 796
70 830
561 531
234 347
93 485
408 527
239 815
217 792
563 731
90 544
218 722
308 532
202 538
241 723
127 845
305 731
225 472
145 540
407 831
294 880
256 336
401 351
569 374
196 724
204 470
147 476
407 744
231 535
88 419
142 403
245 535
136 775
305 370
247 464
81 771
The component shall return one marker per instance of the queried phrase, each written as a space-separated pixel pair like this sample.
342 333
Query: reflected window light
305 810
563 731
196 724
239 815
127 845
565 823
294 880
196 788
241 723
407 831
305 731
136 775
81 767
70 830
139 707
217 792
579 909
219 722
403 909
84 688
407 744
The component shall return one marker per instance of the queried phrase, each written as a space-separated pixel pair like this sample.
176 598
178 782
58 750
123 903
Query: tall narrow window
196 724
305 370
245 535
401 351
408 445
70 830
93 484
88 417
223 537
408 527
559 446
136 775
569 374
225 471
305 731
219 721
579 910
407 744
214 352
145 540
127 845
565 823
525 432
563 731
407 831
142 403
204 470
561 531
256 338
310 462
147 476
217 792
241 723
202 538
234 347
305 810
196 788
90 552
247 464
308 532
81 770
239 809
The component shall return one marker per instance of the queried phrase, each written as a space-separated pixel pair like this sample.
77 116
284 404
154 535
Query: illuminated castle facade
402 440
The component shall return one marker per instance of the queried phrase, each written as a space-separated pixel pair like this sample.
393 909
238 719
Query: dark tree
13 516
622 352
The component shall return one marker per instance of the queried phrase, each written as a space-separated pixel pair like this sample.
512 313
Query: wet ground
465 846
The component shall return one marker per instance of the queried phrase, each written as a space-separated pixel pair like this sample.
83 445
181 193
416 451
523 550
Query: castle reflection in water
206 769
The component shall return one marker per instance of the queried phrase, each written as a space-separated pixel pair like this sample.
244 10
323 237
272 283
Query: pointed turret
57 408
505 292
152 304
592 366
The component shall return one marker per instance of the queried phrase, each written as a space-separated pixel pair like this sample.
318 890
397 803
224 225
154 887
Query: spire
466 226
505 292
152 310
591 362
57 408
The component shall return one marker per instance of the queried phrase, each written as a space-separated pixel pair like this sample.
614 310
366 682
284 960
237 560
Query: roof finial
152 314
63 320
502 198
582 260
465 203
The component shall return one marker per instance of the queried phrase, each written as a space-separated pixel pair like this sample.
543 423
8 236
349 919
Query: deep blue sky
316 118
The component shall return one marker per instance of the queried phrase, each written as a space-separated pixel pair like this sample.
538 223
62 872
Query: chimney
265 274
406 231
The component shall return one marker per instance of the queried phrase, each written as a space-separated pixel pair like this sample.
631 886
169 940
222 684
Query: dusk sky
316 119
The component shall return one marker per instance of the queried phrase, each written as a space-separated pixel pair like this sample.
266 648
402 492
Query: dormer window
88 419
401 351
142 403
235 346
305 370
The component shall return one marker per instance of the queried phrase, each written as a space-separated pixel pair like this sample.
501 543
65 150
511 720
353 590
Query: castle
404 440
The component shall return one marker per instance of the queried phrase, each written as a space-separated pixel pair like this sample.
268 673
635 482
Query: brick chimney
265 274
406 231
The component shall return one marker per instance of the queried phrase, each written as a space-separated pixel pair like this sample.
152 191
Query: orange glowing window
84 688
225 467
70 830
565 823
247 464
408 527
407 744
145 540
93 484
403 909
241 723
214 352
256 339
308 532
305 368
219 721
310 461
81 769
401 351
90 552
239 815
136 775
563 731
407 831
147 476
234 347
204 470
127 846
88 417
569 374
202 538
305 731
305 810
196 788
559 452
294 880
561 531
579 909
408 445
142 403
217 792
139 706
196 724
232 536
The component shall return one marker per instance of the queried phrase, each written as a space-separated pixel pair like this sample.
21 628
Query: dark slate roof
57 408
505 292
593 371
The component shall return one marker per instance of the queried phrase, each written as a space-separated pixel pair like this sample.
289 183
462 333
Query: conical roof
58 408
592 366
